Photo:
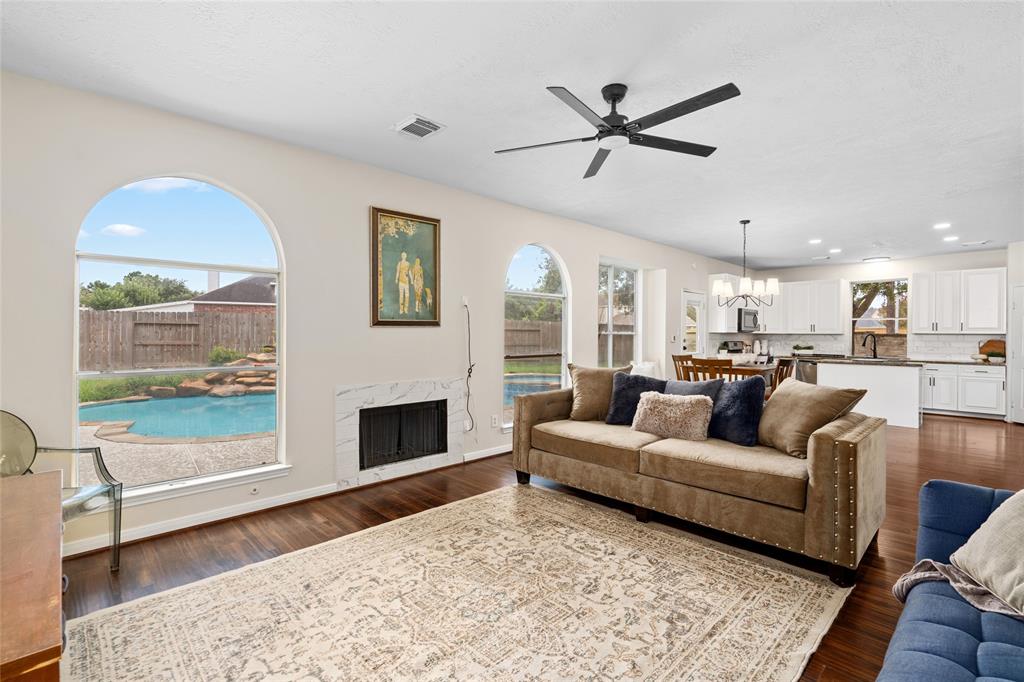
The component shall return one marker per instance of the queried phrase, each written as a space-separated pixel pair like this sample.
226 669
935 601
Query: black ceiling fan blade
595 165
665 143
578 106
727 91
546 144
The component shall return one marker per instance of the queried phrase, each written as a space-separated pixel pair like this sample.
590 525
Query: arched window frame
145 494
563 355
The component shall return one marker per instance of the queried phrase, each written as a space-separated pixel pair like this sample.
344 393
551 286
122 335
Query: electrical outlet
467 425
465 301
255 490
494 421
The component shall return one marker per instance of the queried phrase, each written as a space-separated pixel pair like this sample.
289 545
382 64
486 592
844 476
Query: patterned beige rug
519 583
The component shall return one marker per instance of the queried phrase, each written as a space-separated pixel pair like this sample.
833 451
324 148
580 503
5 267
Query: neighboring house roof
252 289
172 306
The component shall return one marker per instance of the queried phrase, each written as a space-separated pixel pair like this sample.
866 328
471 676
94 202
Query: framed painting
405 264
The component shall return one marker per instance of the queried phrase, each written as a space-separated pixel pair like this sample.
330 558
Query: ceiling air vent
418 126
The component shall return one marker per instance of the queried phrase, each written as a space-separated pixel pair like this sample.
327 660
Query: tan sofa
828 506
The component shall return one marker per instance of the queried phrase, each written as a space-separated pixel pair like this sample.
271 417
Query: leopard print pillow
673 416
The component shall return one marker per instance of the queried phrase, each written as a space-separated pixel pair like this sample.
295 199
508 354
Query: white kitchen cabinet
958 302
939 387
979 389
772 318
815 307
983 301
722 320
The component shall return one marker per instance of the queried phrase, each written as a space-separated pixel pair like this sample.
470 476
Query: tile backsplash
782 344
946 346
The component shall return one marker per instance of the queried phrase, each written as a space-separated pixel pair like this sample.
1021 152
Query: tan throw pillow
674 416
591 391
797 409
994 555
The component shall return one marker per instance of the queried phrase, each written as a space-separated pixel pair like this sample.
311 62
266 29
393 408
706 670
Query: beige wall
64 149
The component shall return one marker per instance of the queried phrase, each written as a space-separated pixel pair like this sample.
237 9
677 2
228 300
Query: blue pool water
522 384
197 417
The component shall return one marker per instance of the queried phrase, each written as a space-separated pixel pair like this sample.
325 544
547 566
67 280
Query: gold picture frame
405 269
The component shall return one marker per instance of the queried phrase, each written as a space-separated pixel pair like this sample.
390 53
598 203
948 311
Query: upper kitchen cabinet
815 307
958 302
772 318
983 301
722 320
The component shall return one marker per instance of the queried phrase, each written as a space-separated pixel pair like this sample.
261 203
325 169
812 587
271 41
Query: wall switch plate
494 421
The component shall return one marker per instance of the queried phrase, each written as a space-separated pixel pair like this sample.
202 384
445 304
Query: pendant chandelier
754 293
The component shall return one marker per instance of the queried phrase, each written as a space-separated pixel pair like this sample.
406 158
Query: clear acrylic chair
18 451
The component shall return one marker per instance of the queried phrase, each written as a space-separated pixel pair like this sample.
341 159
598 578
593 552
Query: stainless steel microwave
747 320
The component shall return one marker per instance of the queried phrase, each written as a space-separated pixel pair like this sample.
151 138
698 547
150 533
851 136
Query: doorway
694 331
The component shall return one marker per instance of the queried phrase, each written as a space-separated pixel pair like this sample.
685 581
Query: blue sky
525 268
174 219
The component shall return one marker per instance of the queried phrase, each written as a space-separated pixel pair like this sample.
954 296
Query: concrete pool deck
141 463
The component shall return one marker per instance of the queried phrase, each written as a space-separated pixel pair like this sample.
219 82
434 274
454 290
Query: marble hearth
349 399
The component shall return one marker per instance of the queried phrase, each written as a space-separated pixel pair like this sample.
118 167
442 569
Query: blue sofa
939 635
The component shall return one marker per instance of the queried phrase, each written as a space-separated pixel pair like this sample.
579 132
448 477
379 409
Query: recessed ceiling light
835 250
950 238
820 257
980 242
942 226
876 259
813 241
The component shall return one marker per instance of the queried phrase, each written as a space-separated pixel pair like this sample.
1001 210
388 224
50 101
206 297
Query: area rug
519 583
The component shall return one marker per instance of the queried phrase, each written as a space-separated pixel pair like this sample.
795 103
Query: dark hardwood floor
978 451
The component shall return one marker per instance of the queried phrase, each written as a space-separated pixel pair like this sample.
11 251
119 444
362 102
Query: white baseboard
220 513
487 452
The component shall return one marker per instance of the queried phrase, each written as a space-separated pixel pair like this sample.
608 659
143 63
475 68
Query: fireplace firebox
396 433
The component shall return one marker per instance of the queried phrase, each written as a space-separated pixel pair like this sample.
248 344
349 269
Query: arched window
178 309
535 315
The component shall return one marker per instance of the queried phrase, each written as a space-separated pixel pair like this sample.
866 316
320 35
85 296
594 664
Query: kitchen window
617 342
880 308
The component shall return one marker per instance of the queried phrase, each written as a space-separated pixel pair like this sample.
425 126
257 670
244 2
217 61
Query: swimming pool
523 384
195 417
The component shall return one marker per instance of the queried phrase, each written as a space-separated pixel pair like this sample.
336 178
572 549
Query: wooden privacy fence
530 337
126 339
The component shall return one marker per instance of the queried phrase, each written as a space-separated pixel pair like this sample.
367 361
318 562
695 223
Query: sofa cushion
674 416
592 391
756 473
609 445
710 388
626 390
737 411
994 554
798 409
942 637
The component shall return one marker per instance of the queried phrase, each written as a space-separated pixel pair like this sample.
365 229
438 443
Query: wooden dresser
31 630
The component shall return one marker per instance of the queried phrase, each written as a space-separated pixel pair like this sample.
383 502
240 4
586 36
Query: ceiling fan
615 130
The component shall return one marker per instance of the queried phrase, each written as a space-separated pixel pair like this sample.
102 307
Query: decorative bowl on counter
980 357
997 360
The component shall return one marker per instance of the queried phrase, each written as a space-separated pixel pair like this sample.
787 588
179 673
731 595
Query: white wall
64 149
896 268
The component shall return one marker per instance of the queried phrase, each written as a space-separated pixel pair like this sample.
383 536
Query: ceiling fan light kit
752 292
615 131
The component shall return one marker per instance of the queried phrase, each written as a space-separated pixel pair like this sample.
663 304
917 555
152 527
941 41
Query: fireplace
396 433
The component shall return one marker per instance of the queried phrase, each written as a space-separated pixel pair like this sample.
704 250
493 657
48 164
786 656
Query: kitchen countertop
891 362
887 362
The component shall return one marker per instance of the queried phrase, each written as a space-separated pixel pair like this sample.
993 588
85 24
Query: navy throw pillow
737 411
710 388
626 390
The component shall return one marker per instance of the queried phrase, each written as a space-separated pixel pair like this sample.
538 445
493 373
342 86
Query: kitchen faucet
874 343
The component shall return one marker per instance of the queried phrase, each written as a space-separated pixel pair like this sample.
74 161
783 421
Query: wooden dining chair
682 363
783 370
702 369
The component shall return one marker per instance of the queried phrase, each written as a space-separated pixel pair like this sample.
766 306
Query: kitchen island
893 386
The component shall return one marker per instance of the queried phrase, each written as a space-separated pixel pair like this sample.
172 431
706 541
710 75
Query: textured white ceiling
859 123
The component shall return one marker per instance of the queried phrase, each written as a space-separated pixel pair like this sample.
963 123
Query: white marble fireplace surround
349 399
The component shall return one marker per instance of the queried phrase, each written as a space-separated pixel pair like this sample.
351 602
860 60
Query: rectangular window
617 343
880 308
177 370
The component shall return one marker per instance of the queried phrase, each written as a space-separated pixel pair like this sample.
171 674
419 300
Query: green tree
134 290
